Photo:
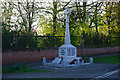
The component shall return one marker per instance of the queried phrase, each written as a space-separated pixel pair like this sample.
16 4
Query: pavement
83 71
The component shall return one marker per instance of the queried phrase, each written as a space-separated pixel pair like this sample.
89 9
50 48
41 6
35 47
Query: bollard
91 60
44 60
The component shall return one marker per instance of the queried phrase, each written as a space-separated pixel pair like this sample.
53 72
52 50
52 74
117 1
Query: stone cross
67 34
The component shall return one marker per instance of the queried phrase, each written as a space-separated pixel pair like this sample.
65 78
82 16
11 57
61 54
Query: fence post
109 38
15 40
119 39
36 40
82 35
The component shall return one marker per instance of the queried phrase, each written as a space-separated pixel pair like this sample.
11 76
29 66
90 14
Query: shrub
8 40
27 41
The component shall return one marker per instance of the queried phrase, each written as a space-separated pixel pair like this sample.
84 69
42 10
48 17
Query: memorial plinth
68 52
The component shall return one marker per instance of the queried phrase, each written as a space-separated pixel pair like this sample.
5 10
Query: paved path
83 71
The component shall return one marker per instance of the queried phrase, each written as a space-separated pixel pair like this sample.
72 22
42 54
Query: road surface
84 71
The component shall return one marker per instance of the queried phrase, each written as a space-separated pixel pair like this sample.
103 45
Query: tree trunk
84 11
54 17
96 25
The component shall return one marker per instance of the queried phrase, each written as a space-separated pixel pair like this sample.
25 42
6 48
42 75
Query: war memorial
67 52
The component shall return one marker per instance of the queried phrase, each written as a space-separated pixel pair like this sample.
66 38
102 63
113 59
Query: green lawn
20 69
108 59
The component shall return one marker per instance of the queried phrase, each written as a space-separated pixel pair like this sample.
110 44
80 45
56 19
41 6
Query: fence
36 42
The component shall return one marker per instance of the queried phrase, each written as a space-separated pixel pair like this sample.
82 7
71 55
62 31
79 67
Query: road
116 75
83 71
109 75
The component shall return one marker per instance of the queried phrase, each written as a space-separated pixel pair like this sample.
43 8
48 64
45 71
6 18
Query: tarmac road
83 71
116 75
109 75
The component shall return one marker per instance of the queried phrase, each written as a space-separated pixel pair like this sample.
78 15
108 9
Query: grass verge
108 59
20 69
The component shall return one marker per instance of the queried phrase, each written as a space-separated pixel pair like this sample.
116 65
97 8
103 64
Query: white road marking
107 74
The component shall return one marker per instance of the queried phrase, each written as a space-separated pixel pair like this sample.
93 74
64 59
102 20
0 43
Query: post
44 60
36 39
15 40
36 36
83 43
91 60
119 39
110 44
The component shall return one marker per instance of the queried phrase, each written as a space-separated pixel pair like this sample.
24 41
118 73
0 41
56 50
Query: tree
111 17
7 14
27 13
54 10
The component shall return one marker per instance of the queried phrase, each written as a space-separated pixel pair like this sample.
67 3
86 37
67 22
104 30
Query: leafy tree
111 18
18 16
54 11
7 13
27 12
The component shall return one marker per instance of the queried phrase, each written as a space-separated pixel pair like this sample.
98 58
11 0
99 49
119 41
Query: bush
27 41
96 40
75 40
8 40
52 41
